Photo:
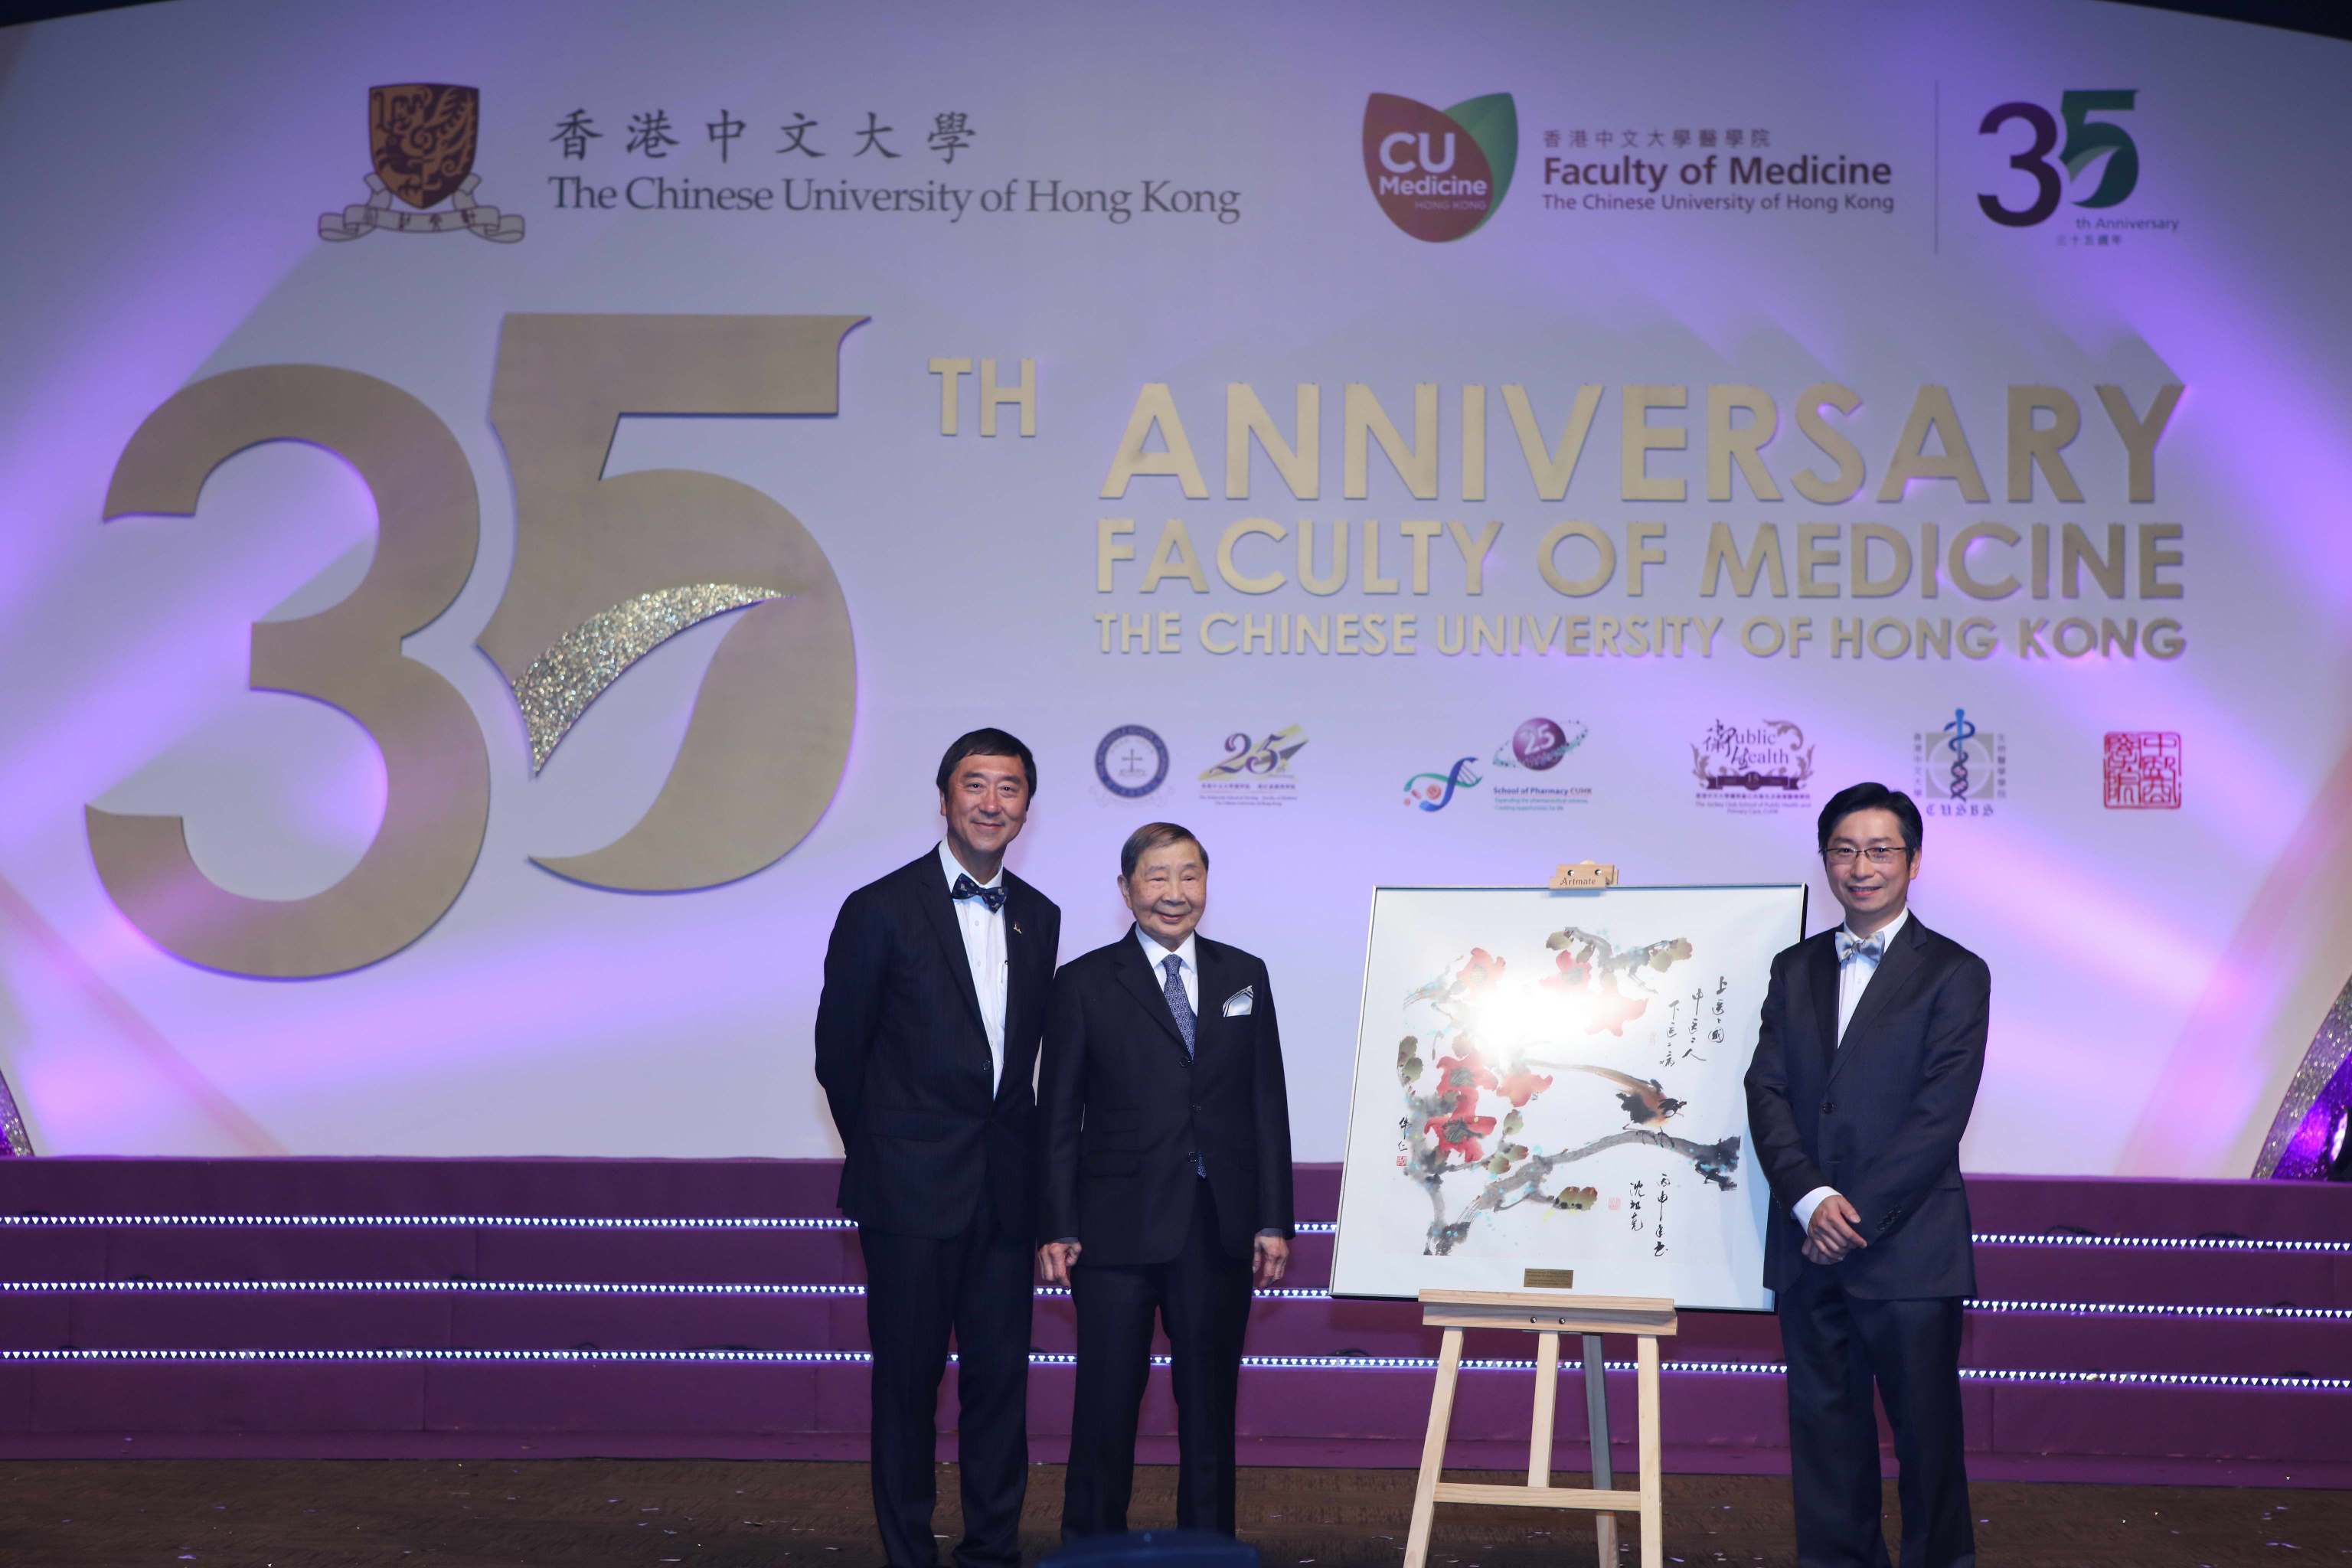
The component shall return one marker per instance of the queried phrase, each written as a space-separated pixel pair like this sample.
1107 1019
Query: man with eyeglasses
1865 1071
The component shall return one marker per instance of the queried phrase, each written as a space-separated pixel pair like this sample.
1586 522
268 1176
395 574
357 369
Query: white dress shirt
984 949
1187 965
1854 979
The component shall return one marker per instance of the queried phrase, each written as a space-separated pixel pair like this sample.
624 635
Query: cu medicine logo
1440 173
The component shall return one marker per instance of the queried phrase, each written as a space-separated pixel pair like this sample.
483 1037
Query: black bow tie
965 888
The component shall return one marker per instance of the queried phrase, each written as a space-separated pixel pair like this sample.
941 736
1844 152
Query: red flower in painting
1574 973
1482 970
1613 1010
1521 1085
1462 1077
1460 1135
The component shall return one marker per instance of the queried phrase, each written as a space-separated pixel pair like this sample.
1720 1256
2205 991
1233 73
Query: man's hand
1056 1259
1833 1232
1273 1258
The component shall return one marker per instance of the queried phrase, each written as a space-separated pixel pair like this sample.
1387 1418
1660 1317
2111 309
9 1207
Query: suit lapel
1024 987
1822 970
1135 973
930 890
1216 978
1894 972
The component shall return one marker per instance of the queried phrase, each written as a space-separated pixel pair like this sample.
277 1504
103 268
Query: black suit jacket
1122 1111
1878 1118
904 1062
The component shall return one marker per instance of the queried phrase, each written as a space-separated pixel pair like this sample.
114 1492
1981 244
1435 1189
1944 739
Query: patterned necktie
965 888
1850 947
1178 1003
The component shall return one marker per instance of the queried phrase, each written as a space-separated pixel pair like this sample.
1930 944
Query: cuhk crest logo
1440 173
421 136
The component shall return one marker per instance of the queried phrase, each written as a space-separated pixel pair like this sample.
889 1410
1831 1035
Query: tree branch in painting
1465 1116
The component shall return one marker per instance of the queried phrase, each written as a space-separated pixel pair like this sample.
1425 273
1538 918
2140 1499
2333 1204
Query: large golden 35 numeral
605 570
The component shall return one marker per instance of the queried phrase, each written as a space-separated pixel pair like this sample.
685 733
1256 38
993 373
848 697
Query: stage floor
510 1514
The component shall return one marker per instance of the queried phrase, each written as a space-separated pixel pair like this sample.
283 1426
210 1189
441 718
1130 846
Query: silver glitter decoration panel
561 683
12 1126
2328 1048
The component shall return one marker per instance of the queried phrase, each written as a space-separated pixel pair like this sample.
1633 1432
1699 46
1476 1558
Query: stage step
416 1276
819 1251
292 1318
700 1407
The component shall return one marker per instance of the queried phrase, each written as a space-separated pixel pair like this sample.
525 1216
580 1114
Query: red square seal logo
2143 770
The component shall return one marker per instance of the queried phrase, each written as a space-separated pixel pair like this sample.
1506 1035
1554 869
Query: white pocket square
1241 1002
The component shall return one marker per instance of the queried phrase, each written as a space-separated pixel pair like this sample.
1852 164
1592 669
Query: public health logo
422 136
1440 173
1433 792
1753 768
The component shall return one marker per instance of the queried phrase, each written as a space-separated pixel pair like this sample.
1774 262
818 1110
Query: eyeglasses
1876 854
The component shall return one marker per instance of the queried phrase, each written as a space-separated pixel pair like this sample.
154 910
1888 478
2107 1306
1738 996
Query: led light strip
411 1221
571 1287
1061 1359
1310 1227
2163 1310
2161 1243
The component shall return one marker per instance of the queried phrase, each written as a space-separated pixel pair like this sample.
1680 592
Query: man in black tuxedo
935 987
1865 1070
1166 1130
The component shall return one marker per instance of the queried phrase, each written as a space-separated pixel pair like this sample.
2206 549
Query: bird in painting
1646 1102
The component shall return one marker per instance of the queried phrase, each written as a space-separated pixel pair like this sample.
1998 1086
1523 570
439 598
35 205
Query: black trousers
918 1289
1837 1347
1203 1295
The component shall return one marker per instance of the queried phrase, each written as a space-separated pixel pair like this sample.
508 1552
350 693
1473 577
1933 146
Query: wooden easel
1548 1315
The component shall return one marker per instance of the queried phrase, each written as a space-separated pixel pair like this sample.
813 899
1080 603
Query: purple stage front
2138 1330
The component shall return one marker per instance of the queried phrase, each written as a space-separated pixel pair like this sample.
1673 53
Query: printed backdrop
1408 444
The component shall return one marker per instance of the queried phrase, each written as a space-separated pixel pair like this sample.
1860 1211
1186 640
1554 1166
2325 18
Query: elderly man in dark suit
1166 1130
935 988
1867 1068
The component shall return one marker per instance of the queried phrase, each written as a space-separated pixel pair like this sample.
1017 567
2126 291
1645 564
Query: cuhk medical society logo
1440 173
1132 762
422 137
1962 768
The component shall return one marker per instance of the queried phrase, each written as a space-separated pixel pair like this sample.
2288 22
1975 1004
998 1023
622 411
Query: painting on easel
1549 1092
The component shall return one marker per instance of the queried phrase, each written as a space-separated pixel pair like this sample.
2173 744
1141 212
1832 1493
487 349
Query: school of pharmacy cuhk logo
1440 173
